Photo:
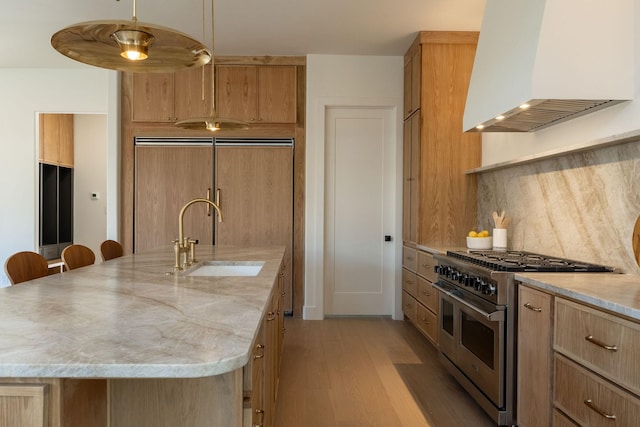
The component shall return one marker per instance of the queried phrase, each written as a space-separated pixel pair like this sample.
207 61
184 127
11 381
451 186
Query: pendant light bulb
134 44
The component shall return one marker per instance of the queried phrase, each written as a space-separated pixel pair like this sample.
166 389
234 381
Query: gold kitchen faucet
185 245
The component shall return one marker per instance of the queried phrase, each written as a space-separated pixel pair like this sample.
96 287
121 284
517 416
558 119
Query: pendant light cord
213 76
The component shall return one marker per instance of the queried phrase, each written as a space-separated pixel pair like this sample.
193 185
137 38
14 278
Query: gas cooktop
525 261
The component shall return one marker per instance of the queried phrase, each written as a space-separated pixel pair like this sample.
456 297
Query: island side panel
66 402
169 402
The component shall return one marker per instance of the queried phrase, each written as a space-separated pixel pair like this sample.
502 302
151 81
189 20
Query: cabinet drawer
561 420
409 282
409 306
427 322
410 258
589 400
426 264
427 295
582 332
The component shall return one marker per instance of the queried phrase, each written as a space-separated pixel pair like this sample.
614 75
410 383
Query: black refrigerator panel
56 209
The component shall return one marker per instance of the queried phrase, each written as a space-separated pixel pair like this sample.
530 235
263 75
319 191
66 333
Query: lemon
472 233
484 233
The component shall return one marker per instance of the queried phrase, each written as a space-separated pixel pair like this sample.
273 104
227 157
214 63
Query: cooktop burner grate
525 261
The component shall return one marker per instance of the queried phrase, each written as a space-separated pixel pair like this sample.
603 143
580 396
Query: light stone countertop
126 318
618 293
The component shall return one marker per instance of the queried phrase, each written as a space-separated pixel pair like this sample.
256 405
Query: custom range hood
541 62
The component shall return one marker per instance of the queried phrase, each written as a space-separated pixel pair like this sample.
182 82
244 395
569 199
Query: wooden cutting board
636 240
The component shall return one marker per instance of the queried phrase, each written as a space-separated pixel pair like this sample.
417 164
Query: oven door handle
496 316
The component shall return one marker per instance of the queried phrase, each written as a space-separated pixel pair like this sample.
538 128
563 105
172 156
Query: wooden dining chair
76 256
110 249
26 265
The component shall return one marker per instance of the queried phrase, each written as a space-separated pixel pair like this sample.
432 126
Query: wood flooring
367 372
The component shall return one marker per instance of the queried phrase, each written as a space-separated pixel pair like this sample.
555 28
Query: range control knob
490 289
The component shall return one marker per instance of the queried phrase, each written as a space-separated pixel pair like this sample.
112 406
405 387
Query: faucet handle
192 250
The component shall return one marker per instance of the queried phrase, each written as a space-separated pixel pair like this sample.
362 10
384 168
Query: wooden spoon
496 220
636 240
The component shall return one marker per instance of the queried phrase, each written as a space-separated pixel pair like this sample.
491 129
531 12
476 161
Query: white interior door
359 165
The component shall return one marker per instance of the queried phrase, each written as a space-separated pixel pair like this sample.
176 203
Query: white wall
90 176
25 92
625 117
334 80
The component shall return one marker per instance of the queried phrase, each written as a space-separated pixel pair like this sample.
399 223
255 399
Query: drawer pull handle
410 282
599 343
532 308
593 407
426 293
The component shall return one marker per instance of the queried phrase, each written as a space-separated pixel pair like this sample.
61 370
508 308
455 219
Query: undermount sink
225 268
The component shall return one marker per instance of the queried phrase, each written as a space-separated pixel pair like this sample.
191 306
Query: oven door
472 335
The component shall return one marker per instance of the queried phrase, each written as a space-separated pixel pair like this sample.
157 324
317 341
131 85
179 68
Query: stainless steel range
477 320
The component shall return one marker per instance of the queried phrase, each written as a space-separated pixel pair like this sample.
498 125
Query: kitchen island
123 343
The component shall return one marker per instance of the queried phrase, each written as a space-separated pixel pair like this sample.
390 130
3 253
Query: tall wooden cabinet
268 92
167 177
255 183
437 192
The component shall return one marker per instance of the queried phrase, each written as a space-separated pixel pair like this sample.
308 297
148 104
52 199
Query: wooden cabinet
585 358
534 371
262 374
264 94
167 177
591 400
409 306
24 405
561 420
56 139
53 402
445 197
256 197
419 298
409 282
169 97
253 384
412 81
604 343
596 365
411 178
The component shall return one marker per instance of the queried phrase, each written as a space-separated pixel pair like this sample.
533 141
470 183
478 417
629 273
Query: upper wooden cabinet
169 97
56 139
437 153
263 93
412 80
411 172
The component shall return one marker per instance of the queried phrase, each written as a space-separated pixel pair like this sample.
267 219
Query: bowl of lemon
479 240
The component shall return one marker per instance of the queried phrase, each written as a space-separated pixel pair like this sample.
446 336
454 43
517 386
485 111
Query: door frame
315 200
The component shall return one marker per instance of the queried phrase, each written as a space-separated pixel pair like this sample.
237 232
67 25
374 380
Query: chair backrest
27 265
76 256
110 249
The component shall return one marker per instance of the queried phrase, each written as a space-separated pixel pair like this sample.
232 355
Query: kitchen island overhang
127 319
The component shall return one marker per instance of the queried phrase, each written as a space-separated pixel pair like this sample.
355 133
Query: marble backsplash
580 205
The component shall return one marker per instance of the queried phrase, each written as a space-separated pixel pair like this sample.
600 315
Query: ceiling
242 27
